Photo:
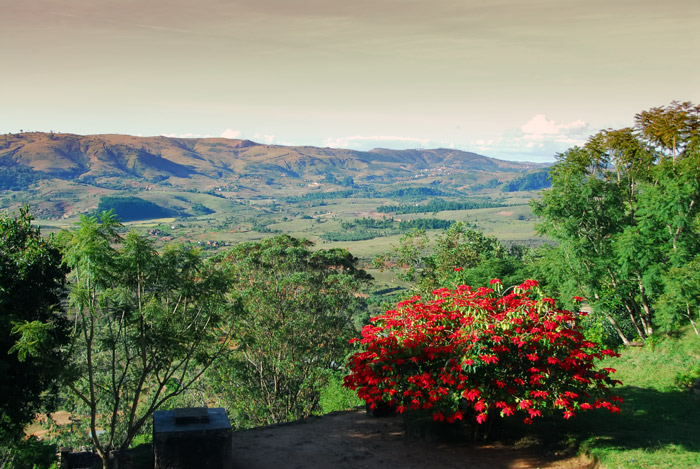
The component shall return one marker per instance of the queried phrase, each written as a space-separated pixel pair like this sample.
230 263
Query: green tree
459 256
145 327
624 211
681 298
298 308
33 328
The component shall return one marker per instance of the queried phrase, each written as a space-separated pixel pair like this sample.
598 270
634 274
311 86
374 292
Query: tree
460 256
298 308
624 210
145 327
32 323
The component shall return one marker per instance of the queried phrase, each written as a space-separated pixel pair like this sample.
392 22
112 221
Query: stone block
192 438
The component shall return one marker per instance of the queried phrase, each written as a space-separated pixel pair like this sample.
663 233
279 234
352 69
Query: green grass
659 425
660 421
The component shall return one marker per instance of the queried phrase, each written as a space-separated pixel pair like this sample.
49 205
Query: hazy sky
515 79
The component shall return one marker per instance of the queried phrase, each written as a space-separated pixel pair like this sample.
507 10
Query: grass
660 421
659 425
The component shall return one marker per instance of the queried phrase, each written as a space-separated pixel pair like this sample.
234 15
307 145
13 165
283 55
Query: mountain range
208 160
62 175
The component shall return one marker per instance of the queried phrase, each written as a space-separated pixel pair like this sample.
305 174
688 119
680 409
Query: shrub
474 354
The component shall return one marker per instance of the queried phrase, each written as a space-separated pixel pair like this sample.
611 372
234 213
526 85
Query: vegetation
262 328
438 205
624 210
368 228
297 315
529 182
474 354
33 329
135 208
461 256
145 327
17 178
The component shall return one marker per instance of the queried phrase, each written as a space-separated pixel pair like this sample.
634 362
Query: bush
474 354
28 453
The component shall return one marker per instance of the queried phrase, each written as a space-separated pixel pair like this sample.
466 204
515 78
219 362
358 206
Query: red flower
431 355
472 394
495 281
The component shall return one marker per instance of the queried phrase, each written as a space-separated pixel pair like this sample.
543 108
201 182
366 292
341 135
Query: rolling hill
69 156
64 174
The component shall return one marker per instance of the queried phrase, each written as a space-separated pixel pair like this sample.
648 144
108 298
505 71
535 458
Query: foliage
660 424
438 205
404 225
368 228
529 182
460 256
335 397
414 193
329 195
135 208
146 326
18 178
33 328
28 453
477 354
298 310
624 210
354 235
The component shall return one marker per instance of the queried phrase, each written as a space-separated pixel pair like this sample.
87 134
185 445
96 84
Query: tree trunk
690 318
646 318
617 328
630 310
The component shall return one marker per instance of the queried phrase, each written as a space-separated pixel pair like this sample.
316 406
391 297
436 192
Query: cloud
267 139
540 128
186 135
230 133
359 142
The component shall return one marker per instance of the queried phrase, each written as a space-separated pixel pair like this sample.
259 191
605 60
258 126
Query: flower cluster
475 354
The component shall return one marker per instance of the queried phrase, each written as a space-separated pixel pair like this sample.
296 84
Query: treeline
346 194
361 229
409 193
404 225
439 205
419 193
529 182
18 178
134 208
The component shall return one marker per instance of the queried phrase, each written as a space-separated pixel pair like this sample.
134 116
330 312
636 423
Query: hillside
211 160
218 190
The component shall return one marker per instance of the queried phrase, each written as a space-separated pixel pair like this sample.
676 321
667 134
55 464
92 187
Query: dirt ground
354 439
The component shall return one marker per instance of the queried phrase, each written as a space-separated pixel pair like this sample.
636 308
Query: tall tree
624 210
298 308
32 323
145 327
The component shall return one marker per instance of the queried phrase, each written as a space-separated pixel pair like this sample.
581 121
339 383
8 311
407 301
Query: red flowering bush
474 353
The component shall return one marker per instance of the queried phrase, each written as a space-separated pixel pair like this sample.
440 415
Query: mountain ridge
72 156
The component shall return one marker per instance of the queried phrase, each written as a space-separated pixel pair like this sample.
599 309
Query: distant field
234 221
215 220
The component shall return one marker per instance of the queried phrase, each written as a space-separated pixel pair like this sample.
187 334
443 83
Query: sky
512 79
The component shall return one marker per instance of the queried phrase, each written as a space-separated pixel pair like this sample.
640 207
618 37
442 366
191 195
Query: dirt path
355 440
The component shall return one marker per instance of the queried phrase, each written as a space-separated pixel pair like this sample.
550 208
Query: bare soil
355 439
